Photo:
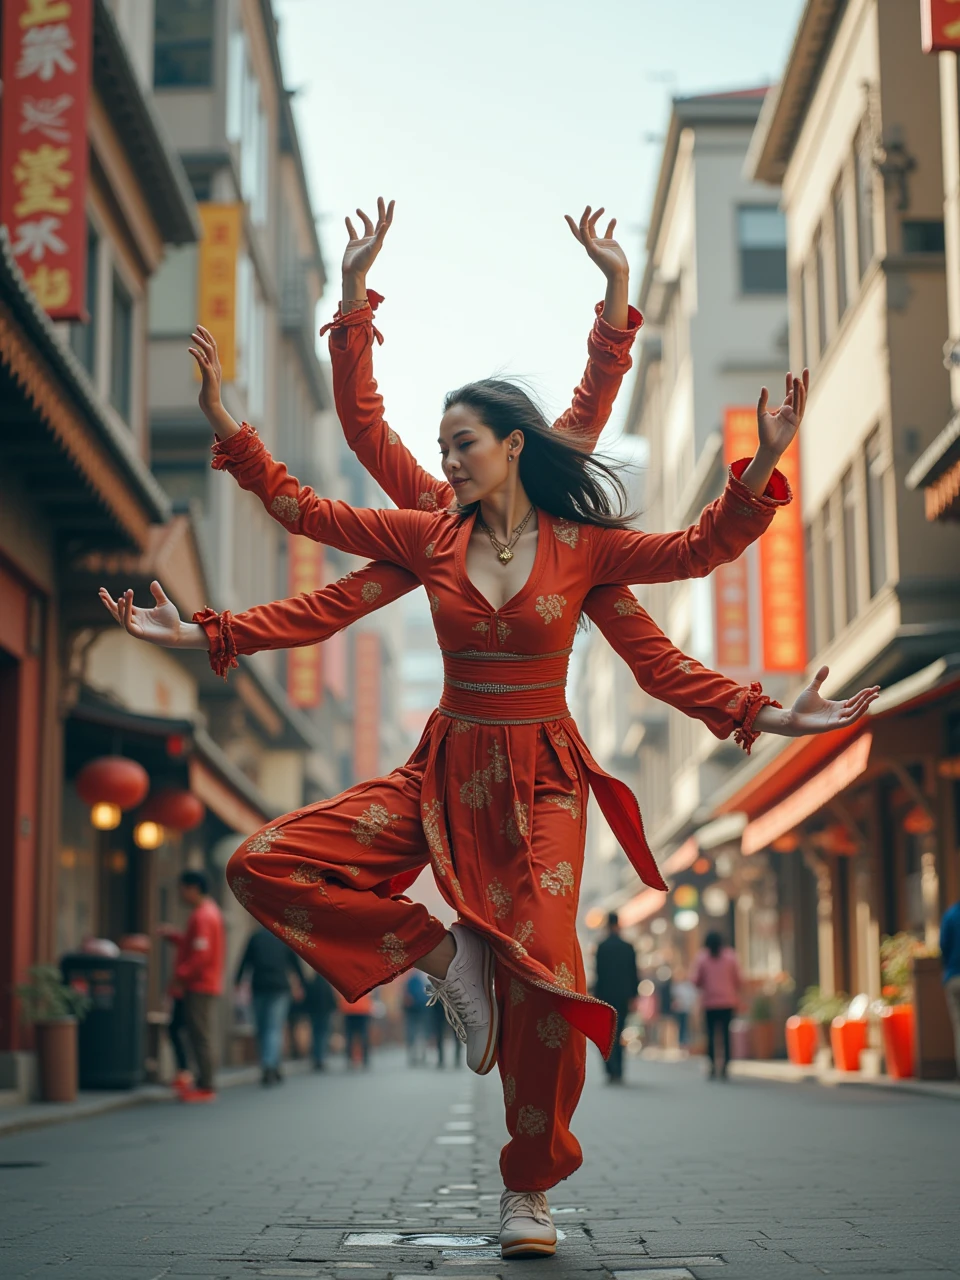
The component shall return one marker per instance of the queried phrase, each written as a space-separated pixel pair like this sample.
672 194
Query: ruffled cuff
241 445
777 493
745 735
219 632
617 337
362 315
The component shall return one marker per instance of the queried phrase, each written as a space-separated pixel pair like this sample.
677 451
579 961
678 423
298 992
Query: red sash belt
505 688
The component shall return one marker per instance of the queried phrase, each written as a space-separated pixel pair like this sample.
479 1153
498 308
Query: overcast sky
487 123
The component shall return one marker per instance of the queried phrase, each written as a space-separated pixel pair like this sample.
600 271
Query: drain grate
415 1240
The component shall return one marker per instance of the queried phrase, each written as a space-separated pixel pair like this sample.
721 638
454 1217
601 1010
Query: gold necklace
504 550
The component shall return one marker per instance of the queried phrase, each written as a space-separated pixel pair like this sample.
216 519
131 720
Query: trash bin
112 1036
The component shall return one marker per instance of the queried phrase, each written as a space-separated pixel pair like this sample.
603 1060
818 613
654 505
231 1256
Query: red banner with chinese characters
940 25
43 146
732 581
782 585
217 281
304 665
366 706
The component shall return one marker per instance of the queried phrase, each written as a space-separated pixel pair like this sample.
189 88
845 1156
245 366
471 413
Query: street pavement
392 1174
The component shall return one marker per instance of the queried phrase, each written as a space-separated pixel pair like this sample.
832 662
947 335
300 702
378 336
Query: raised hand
777 427
603 250
211 378
361 251
160 625
812 713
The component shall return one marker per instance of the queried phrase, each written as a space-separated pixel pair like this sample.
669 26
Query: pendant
505 555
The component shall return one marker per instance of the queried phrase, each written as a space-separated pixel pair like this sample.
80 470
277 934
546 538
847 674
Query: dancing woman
494 797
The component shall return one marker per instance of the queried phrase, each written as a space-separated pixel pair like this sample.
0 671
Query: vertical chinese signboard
782 587
217 280
732 581
366 705
43 146
304 671
940 25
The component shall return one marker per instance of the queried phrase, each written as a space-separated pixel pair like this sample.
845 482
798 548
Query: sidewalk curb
40 1115
787 1073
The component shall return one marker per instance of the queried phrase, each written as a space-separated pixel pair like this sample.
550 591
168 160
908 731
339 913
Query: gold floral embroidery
523 931
734 702
569 802
434 602
501 899
370 590
460 726
627 607
392 437
483 626
686 666
550 608
285 508
516 826
558 880
442 864
531 1121
564 978
553 1031
567 532
430 548
427 501
297 926
502 631
351 870
264 840
308 874
371 823
509 1091
476 792
241 888
560 738
518 993
393 950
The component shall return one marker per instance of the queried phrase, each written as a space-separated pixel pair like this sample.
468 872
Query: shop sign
940 25
217 280
45 71
366 705
732 581
304 665
782 586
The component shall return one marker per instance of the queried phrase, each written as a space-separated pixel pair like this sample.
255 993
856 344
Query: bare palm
777 427
603 250
160 625
812 713
361 251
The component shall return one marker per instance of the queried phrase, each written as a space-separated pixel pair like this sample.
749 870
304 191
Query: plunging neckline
463 539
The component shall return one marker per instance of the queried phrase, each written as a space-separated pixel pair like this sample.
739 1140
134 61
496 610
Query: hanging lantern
109 785
918 822
175 808
148 835
105 816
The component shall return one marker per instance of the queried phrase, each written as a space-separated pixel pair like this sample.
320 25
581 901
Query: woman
716 973
494 796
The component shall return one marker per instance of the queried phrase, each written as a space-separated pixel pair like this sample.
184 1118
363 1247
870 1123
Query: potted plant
53 1009
761 1027
897 1020
848 1034
803 1028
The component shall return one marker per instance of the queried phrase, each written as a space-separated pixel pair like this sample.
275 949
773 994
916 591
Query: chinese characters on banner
304 665
217 281
366 705
43 146
782 586
732 581
940 25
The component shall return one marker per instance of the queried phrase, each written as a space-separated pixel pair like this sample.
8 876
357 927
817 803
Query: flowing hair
559 476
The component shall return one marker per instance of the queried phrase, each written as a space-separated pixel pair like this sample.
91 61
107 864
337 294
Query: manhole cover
415 1240
23 1164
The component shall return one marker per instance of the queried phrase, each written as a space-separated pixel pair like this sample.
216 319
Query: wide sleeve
724 531
666 673
360 410
378 535
608 361
304 619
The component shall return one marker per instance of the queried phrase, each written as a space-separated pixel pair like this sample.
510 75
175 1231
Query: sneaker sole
528 1249
489 1059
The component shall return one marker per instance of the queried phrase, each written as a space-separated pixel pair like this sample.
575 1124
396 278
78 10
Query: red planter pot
802 1036
848 1038
897 1025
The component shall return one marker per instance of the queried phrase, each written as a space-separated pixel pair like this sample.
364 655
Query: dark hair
714 942
557 474
613 920
194 880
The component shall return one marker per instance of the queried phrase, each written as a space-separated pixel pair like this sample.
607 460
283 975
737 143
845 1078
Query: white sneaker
468 1000
526 1227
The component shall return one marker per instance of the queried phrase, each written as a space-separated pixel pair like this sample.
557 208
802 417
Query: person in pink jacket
716 973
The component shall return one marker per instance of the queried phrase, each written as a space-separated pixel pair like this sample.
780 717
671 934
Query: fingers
367 223
763 402
126 610
110 605
350 231
157 592
592 224
818 679
585 236
574 228
611 226
802 385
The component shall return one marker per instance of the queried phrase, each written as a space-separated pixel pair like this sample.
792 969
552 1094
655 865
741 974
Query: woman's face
475 461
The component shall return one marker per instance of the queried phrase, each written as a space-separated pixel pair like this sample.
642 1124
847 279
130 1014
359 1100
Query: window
83 335
864 168
121 349
829 571
183 44
840 249
922 235
247 126
848 498
821 293
876 511
809 584
762 237
173 294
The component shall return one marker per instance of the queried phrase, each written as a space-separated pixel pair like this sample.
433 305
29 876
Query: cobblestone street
347 1176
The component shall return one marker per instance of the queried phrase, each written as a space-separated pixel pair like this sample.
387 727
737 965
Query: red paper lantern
174 808
918 822
113 780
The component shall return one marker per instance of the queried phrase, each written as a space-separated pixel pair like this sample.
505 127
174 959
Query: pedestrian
950 960
716 973
495 795
684 1002
198 977
319 1000
616 983
356 1029
414 1016
275 975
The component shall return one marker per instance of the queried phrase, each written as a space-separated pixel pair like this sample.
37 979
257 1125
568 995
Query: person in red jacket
199 975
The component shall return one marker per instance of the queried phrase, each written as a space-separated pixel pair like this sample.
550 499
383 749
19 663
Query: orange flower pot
848 1038
802 1036
897 1025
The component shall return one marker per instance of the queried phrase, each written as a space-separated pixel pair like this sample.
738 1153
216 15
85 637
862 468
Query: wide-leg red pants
319 879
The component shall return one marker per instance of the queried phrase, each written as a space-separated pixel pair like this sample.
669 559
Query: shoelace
526 1204
455 1012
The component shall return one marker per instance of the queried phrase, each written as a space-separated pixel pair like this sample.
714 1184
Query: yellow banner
217 280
